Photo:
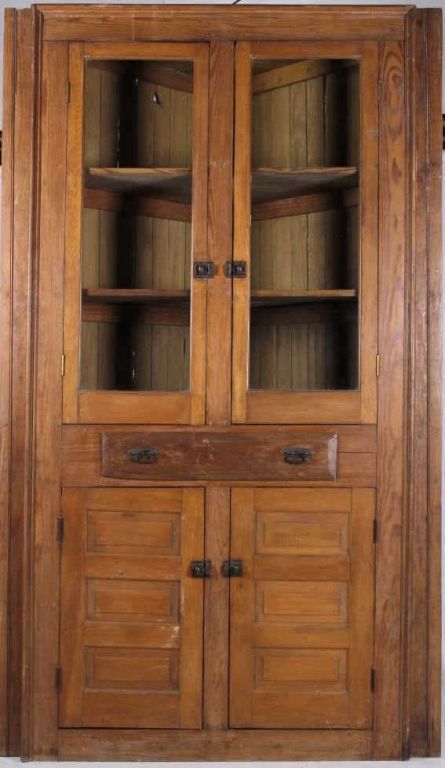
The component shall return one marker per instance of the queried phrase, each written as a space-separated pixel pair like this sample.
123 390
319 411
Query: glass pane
136 244
305 244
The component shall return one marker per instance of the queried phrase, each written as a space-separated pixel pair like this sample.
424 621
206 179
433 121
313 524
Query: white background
433 763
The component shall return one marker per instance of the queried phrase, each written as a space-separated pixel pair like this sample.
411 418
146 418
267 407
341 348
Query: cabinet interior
136 246
136 264
305 147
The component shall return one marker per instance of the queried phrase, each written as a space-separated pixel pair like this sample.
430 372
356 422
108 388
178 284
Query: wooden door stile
199 233
73 234
216 610
220 228
369 227
241 242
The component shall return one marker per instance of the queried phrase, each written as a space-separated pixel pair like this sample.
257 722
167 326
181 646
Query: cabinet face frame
273 406
57 24
151 406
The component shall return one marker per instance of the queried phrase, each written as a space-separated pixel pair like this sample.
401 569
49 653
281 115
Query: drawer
266 455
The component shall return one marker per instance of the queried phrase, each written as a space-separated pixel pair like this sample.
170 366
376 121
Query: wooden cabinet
220 370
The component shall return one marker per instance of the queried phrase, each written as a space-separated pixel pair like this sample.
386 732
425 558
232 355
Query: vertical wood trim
369 232
198 318
362 605
9 70
72 604
216 610
73 236
19 149
242 192
242 609
416 660
391 399
190 670
219 290
44 635
435 277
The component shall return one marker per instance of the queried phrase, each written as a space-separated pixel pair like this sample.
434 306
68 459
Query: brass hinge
373 679
62 365
375 531
58 678
68 91
377 365
59 529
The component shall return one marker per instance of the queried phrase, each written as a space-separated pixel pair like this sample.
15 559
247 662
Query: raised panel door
301 615
131 613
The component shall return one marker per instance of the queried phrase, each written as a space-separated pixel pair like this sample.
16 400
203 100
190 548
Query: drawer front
217 456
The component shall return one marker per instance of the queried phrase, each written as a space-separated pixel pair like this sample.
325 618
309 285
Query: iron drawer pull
296 455
143 455
201 569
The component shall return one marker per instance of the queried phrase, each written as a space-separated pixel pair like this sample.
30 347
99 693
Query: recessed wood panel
305 533
139 601
301 670
132 532
309 603
131 669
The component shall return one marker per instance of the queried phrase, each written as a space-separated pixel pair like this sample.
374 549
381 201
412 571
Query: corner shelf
166 192
264 298
171 183
132 295
270 184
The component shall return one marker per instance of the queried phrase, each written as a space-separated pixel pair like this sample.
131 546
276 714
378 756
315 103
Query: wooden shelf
276 183
132 295
263 298
165 183
167 191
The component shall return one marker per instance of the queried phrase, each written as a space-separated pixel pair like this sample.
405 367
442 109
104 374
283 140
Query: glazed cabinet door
301 612
305 247
136 234
131 612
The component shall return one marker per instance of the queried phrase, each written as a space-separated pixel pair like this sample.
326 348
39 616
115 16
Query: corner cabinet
221 383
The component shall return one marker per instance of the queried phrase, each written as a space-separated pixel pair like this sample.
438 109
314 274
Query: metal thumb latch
201 569
203 270
232 568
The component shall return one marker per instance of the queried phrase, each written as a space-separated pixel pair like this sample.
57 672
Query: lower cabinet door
302 612
131 614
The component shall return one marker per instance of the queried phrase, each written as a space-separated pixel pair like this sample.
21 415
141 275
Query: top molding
210 22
